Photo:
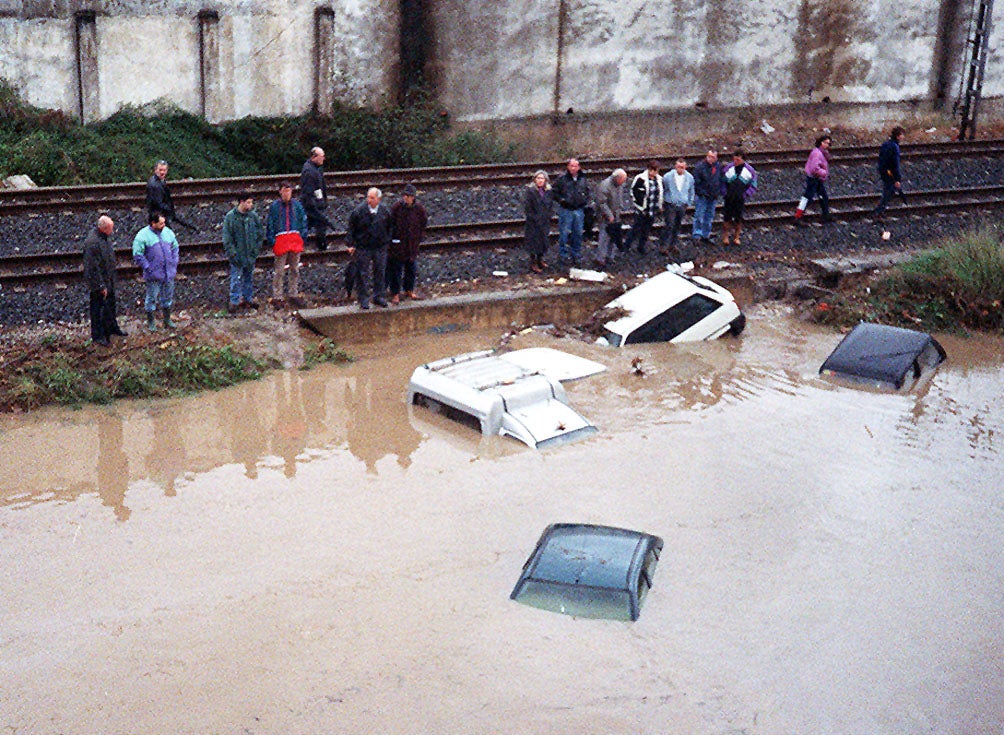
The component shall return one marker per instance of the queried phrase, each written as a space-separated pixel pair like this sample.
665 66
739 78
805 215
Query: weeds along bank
54 149
957 285
70 371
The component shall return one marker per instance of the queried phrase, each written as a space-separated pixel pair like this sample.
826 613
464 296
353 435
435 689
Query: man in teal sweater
243 235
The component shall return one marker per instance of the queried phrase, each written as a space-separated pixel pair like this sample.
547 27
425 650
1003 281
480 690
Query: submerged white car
508 394
672 307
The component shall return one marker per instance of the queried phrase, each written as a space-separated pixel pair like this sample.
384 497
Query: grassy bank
67 371
54 149
957 285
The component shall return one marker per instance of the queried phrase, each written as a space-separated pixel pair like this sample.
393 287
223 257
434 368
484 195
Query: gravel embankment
322 283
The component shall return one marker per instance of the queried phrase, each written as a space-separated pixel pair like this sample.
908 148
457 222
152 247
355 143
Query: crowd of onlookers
383 242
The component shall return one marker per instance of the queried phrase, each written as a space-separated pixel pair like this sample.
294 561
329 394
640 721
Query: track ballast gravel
322 283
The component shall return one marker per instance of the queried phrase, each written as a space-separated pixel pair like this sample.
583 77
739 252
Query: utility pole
977 66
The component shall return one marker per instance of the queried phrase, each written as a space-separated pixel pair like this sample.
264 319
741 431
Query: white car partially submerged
672 307
517 394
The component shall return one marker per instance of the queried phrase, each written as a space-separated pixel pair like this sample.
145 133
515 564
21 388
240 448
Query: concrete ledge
348 324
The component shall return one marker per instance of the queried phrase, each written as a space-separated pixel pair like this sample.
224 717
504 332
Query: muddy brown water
306 555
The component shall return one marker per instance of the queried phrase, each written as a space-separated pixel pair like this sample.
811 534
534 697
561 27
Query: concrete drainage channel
558 304
571 304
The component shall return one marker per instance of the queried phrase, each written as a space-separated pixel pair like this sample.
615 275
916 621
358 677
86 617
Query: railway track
207 257
111 197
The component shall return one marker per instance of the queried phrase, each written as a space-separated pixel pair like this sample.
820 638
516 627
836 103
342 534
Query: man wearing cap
408 221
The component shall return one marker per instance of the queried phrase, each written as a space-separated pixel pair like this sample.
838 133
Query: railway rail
202 257
195 191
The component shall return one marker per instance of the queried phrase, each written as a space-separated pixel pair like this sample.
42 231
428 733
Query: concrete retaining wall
520 58
262 59
497 60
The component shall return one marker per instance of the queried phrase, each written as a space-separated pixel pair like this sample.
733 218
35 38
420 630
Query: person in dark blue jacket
888 168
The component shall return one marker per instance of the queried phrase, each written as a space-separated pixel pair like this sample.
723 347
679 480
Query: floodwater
306 555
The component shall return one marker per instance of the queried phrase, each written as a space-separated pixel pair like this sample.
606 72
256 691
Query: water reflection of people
113 465
239 419
289 435
167 458
378 424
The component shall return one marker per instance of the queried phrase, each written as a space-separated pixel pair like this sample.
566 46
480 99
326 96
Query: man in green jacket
243 235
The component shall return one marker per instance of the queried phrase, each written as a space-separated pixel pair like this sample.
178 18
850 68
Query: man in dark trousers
408 221
314 197
888 168
99 274
158 195
369 234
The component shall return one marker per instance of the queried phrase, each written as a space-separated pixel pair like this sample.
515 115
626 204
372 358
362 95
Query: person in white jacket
678 194
646 194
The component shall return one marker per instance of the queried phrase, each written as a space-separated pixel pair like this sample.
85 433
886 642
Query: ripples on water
832 557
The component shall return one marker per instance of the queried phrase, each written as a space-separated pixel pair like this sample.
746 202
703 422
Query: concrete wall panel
142 59
500 59
38 57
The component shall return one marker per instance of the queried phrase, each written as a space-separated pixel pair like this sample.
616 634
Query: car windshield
581 602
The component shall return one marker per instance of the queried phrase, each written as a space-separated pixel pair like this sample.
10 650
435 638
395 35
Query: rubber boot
151 323
167 320
739 231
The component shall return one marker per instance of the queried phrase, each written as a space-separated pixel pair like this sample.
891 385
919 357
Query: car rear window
674 321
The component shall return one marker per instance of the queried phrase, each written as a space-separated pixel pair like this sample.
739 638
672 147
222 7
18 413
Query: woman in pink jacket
817 170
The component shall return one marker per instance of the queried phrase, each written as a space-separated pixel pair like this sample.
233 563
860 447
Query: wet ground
305 555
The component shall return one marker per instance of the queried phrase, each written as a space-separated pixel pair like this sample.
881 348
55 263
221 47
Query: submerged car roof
884 354
574 560
503 397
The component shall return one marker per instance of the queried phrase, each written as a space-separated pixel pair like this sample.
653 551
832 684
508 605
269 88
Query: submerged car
885 357
673 307
589 571
498 396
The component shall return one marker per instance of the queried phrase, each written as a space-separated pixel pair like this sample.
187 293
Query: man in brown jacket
408 218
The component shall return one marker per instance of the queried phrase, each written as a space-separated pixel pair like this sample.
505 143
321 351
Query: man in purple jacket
155 250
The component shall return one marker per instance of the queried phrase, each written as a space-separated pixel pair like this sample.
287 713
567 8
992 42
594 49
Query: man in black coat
370 232
314 197
572 193
99 275
158 195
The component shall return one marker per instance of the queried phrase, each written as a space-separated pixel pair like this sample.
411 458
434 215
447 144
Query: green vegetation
959 284
324 351
69 373
54 149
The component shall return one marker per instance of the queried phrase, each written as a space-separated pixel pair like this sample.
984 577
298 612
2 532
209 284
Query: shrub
54 149
324 351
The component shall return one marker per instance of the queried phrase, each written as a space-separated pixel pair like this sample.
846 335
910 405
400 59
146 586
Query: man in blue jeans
155 251
243 235
572 193
707 188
